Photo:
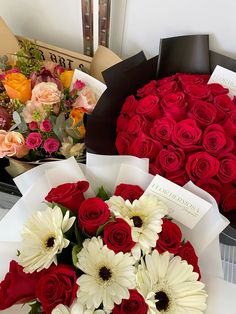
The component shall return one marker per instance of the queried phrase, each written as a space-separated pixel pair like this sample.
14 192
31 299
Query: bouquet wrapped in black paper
166 110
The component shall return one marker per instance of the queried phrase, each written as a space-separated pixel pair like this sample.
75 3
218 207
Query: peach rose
87 100
17 86
12 144
46 93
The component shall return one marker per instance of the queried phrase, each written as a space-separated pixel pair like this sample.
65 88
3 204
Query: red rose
122 122
162 130
17 286
149 107
5 119
194 91
188 254
129 191
165 80
167 88
230 124
93 213
145 147
135 304
214 139
186 134
137 123
117 236
198 79
155 169
174 105
201 165
211 186
224 106
203 112
217 89
228 202
57 286
129 106
148 89
123 142
227 169
179 177
69 195
169 238
171 159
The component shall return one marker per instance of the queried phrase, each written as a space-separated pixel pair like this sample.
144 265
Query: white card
97 86
224 77
184 206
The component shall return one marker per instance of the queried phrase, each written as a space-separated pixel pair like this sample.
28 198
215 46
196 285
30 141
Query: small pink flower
51 145
59 69
34 140
33 126
12 144
46 126
78 85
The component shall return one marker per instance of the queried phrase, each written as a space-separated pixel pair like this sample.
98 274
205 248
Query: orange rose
66 78
76 115
17 86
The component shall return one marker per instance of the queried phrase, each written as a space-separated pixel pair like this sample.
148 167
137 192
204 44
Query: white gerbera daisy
43 238
144 217
76 308
108 276
170 286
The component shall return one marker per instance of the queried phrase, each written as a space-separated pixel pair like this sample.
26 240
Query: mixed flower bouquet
82 253
186 127
41 108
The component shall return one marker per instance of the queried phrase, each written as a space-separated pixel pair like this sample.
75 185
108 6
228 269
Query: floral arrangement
118 254
187 128
41 114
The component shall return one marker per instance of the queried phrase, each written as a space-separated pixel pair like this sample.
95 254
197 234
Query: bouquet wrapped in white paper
135 245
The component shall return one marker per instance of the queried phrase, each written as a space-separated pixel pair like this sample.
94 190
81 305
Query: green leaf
75 250
36 307
102 194
78 235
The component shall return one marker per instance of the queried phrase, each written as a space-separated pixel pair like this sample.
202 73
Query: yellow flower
18 86
66 78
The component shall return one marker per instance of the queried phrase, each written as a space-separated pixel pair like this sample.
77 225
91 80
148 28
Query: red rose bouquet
85 253
187 129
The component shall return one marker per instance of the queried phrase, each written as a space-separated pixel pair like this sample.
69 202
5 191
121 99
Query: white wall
149 20
57 22
146 21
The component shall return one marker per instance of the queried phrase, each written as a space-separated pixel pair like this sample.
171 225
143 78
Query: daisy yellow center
50 241
105 273
137 220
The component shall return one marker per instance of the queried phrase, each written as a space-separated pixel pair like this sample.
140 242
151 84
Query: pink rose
33 126
86 101
34 140
46 126
78 85
51 145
